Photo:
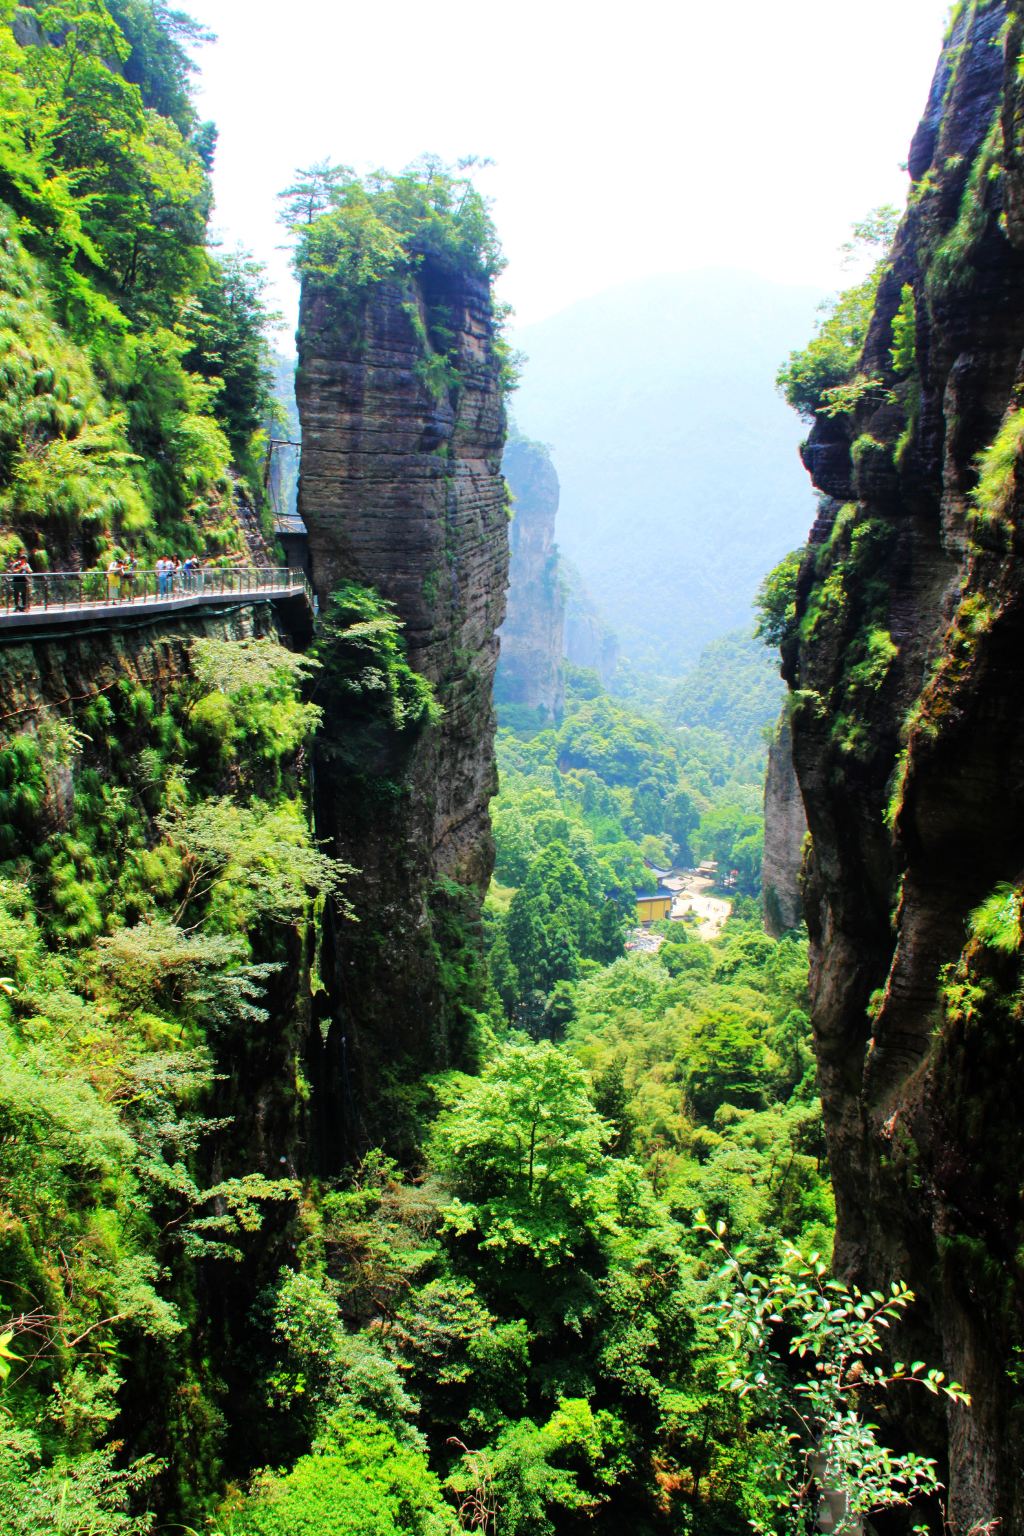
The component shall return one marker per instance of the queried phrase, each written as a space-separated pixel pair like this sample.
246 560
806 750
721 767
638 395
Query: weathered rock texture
401 490
530 666
785 829
908 739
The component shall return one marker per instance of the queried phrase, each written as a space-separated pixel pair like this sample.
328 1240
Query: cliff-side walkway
59 598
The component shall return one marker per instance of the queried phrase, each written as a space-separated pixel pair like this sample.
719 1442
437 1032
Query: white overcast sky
627 140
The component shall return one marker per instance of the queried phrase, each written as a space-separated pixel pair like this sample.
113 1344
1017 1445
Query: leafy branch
824 1447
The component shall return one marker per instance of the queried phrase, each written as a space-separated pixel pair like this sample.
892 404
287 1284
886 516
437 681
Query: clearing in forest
691 895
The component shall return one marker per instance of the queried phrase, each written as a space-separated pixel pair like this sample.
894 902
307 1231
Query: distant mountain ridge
681 483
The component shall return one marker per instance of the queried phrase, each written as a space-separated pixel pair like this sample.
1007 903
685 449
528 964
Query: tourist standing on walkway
128 569
114 570
21 571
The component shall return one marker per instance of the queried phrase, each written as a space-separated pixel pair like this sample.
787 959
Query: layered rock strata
401 490
908 739
530 672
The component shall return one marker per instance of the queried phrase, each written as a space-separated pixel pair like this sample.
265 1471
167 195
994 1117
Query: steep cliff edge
904 657
400 393
530 666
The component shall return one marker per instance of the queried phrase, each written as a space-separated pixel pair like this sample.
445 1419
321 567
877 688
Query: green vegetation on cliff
356 231
134 360
513 1319
823 376
428 223
157 875
900 629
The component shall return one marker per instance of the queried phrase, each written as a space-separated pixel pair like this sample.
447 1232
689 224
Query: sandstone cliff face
785 824
530 666
401 490
908 740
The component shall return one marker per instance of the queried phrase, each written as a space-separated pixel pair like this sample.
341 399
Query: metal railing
71 591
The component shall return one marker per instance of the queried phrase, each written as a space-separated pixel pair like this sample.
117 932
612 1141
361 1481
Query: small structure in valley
654 904
651 906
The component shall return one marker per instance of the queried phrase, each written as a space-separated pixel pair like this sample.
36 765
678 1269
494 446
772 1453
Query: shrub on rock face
822 377
379 703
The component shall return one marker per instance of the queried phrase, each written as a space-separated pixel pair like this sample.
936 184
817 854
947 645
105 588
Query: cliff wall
401 490
908 740
42 673
530 666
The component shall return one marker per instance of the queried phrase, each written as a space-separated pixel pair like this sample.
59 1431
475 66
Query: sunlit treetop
361 230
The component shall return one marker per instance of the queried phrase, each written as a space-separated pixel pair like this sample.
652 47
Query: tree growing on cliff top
312 193
357 231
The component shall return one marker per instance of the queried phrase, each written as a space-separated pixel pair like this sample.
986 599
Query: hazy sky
627 141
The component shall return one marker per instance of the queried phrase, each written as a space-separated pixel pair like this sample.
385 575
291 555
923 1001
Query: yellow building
652 906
